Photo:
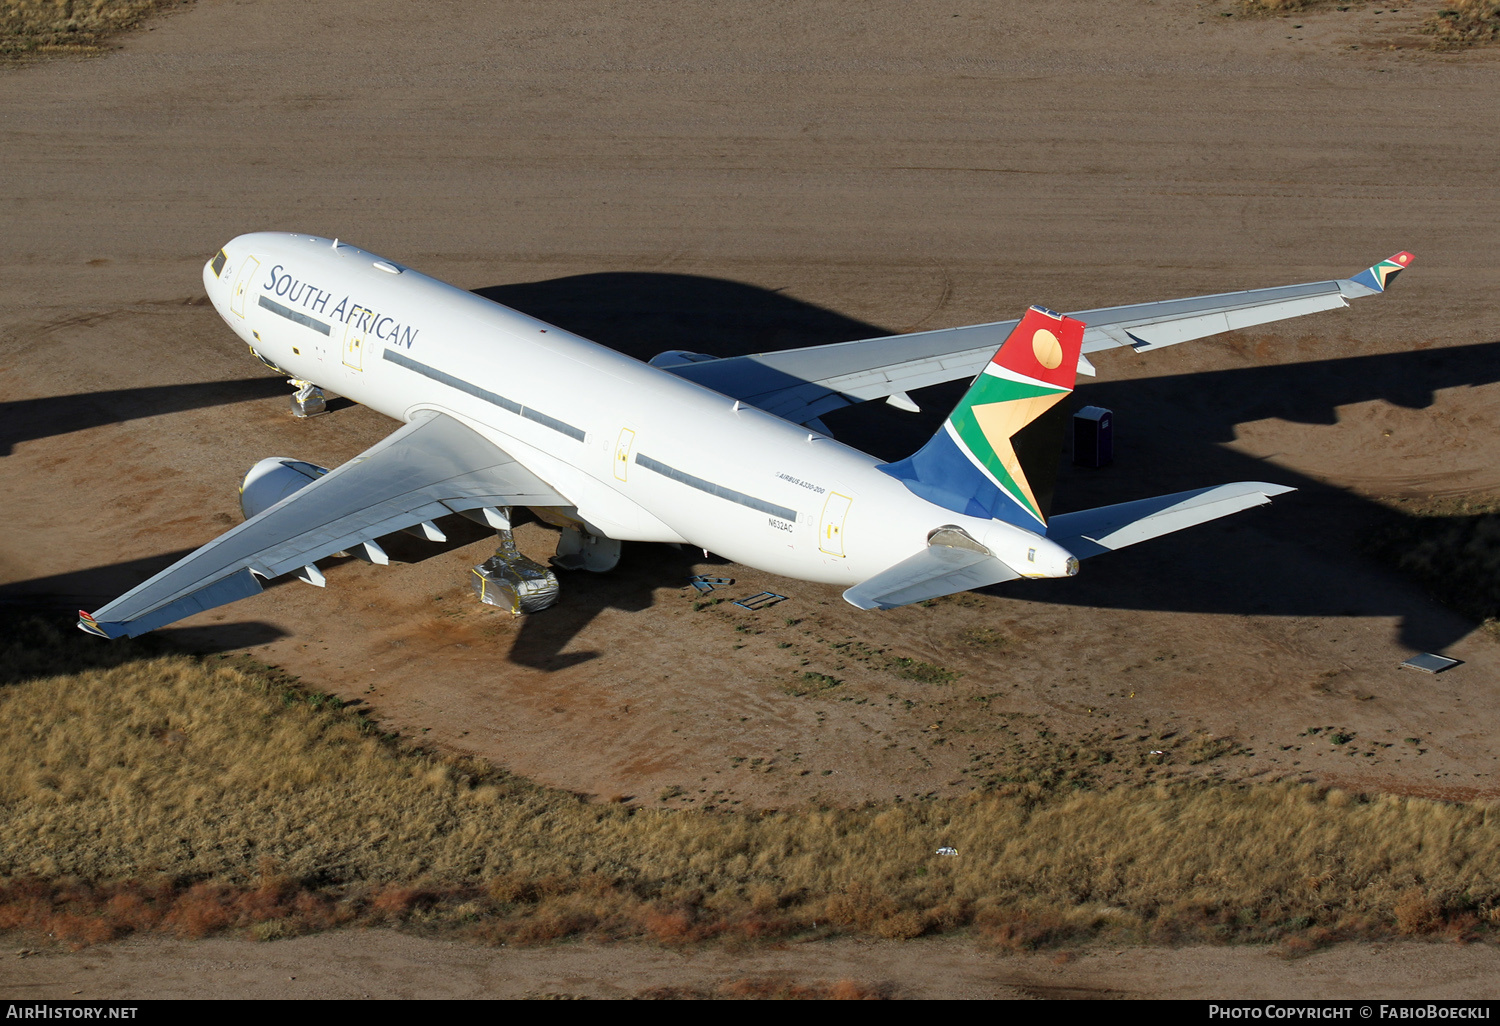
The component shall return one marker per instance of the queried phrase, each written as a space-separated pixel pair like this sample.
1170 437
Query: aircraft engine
678 357
272 480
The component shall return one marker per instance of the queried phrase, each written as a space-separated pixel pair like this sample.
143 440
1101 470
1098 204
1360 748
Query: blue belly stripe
293 315
716 489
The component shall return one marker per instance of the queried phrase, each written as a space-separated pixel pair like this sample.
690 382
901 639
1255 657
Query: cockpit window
218 264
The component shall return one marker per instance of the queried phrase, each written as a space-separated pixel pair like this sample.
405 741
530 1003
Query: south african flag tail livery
996 456
1380 276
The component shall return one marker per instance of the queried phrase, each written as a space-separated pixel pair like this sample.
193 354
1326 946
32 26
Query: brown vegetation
1451 23
69 26
761 988
1452 546
162 792
1282 6
1465 23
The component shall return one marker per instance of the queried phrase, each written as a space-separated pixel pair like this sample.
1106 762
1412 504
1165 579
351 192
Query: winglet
1379 277
89 624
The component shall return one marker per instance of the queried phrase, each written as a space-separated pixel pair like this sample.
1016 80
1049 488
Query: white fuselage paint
851 520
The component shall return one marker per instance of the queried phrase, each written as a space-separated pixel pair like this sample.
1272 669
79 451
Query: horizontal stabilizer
937 570
1092 531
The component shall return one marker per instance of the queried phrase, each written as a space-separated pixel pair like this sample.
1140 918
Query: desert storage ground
732 179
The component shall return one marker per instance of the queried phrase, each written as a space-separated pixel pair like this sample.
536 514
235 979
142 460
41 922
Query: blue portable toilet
1093 437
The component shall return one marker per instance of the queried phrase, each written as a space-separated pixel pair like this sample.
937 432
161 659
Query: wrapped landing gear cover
308 401
511 581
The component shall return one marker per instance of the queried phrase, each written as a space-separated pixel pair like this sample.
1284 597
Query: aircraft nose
216 282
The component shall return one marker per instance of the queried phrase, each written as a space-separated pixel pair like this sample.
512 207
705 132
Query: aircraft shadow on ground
1300 557
641 315
26 420
59 597
630 587
85 589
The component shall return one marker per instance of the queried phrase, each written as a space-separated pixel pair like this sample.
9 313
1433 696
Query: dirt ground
667 175
385 964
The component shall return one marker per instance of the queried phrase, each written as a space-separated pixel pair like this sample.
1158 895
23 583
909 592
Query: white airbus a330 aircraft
728 455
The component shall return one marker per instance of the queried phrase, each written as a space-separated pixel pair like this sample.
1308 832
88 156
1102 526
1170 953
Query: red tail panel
1044 346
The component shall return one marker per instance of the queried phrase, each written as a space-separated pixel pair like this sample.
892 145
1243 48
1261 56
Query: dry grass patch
1274 7
923 673
1451 545
69 26
158 792
1464 23
988 638
766 988
1452 24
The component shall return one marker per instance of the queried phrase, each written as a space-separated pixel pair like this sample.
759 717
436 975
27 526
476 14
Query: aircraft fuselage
643 455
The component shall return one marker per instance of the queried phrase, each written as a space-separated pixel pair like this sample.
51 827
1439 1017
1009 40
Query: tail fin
981 463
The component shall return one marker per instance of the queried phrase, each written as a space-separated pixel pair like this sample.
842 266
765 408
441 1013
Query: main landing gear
308 400
508 579
513 581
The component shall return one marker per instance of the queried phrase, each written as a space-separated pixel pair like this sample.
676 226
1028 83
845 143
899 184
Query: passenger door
831 526
242 284
354 344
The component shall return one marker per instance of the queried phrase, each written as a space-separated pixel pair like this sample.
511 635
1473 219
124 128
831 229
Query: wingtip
89 625
1379 277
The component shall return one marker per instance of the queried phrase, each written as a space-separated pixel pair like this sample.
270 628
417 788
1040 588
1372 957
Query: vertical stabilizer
996 455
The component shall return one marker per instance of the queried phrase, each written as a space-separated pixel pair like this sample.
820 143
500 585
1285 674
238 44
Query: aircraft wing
431 467
1107 528
936 570
803 384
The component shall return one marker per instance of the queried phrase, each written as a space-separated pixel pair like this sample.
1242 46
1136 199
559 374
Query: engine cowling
272 480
